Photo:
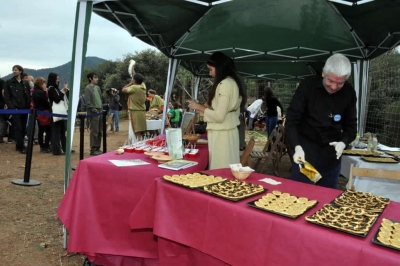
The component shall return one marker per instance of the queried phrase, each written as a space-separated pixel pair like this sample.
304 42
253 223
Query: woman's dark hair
224 67
52 80
268 93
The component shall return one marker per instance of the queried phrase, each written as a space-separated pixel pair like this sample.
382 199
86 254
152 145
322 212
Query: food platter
393 153
388 234
233 190
283 204
193 180
379 159
360 153
353 221
363 200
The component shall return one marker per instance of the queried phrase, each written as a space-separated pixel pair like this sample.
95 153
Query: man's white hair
338 65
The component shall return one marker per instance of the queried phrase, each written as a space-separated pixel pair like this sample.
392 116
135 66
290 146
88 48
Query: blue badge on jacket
337 118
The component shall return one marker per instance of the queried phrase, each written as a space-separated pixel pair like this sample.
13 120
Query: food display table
194 228
380 187
99 200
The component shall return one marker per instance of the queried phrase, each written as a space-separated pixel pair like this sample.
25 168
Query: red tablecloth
193 226
96 207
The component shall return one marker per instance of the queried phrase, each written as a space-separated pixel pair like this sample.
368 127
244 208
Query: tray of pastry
353 221
393 153
283 204
360 153
194 180
233 190
373 159
388 234
359 199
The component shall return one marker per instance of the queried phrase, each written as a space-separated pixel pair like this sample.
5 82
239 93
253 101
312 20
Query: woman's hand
194 105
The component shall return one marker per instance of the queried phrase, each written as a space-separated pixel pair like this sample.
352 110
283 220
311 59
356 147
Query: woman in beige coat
222 111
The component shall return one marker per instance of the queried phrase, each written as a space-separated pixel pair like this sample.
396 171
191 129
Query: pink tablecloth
96 207
201 226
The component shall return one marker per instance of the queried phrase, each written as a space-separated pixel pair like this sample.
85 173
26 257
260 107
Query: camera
110 91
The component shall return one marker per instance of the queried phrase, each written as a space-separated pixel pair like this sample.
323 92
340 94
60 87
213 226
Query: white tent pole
364 90
82 22
196 87
356 68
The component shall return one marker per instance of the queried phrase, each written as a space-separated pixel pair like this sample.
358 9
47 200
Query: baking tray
253 205
334 203
192 188
343 230
230 199
366 158
376 241
359 153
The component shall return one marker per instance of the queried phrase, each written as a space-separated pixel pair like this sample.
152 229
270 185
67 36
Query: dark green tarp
276 39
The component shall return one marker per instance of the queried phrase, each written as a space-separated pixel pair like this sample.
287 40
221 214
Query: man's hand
339 147
299 155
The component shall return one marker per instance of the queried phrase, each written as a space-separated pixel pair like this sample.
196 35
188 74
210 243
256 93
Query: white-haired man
322 120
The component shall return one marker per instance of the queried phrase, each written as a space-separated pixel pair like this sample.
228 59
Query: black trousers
58 138
19 124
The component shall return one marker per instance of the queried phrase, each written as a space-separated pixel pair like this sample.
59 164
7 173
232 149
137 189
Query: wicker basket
241 175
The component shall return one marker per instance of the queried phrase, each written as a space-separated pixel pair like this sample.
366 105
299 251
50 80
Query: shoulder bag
60 108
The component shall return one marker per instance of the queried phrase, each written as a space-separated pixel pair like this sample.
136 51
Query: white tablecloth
380 187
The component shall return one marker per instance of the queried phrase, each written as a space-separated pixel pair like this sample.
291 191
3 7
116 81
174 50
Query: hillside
64 71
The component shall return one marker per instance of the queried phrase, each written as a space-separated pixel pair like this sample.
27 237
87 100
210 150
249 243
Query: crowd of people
23 92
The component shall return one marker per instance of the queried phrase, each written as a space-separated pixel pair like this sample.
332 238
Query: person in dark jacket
17 97
113 103
41 103
272 114
3 118
322 120
58 138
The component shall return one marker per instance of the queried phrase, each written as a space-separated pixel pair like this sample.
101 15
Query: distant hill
64 71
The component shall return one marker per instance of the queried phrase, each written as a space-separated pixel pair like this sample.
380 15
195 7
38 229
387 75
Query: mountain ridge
64 70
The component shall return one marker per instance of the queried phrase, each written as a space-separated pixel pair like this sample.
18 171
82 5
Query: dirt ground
30 231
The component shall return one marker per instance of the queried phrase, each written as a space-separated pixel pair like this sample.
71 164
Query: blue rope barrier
14 111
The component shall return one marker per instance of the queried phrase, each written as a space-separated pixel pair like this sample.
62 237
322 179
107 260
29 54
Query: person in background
31 80
272 115
173 98
113 103
94 105
41 103
174 115
156 102
136 104
3 118
58 138
242 119
322 120
254 109
222 111
17 96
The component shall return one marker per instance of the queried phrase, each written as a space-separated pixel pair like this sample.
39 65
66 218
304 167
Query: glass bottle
369 144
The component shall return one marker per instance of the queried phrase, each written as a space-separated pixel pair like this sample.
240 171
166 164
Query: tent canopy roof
271 39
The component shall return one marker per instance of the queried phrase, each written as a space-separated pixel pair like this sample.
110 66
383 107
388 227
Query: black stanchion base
74 167
21 182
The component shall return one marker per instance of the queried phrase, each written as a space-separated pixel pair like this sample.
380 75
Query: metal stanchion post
28 161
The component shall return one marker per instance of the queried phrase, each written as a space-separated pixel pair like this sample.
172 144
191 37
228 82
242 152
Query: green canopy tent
268 39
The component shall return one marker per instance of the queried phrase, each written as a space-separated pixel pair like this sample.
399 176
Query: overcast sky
39 34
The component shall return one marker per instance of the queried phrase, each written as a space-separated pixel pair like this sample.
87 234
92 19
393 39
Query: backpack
82 104
173 114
